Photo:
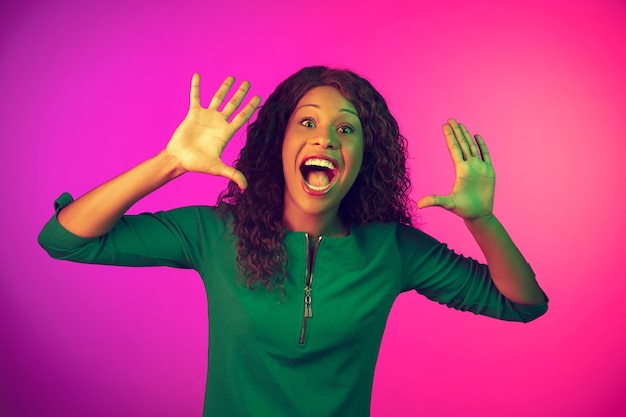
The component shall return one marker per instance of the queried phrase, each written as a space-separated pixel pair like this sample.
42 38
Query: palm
200 139
473 189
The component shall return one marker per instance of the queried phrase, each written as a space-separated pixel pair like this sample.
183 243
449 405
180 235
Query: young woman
305 253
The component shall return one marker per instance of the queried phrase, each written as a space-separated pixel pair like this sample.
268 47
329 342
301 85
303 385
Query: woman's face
322 152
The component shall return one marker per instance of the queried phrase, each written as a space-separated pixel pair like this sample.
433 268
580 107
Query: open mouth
319 174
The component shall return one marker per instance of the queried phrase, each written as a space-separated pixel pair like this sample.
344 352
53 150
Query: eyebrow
341 110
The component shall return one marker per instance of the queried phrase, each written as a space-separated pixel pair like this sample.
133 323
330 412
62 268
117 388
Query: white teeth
316 188
323 163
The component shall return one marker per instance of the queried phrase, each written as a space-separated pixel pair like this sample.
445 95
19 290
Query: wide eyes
307 123
344 129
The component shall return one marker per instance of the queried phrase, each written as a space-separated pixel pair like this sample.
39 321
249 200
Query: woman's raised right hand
200 139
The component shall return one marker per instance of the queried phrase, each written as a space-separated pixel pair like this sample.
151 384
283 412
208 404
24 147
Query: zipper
308 280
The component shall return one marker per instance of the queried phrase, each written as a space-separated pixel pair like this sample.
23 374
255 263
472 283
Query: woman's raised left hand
473 190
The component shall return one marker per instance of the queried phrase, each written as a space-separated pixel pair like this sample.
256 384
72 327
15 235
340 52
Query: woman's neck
316 225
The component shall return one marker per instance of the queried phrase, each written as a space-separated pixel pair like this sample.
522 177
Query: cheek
356 161
358 157
288 160
287 153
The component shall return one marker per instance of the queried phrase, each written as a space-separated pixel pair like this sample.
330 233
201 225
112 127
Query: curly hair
379 194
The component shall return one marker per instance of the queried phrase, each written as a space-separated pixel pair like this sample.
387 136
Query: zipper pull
307 302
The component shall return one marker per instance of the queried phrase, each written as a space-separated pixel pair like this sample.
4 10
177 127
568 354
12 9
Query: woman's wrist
172 165
480 222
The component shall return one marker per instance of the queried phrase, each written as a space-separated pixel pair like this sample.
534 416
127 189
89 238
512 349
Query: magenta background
88 90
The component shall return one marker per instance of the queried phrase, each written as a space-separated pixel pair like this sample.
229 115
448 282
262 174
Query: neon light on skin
324 126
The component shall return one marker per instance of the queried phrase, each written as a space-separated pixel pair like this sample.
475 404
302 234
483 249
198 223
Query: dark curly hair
379 194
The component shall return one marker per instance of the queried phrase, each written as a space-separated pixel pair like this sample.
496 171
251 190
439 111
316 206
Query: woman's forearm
508 269
96 212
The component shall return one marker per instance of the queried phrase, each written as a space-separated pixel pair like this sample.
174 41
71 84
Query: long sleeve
179 238
462 283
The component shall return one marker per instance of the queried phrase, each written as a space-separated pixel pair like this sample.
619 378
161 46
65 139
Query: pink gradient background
89 90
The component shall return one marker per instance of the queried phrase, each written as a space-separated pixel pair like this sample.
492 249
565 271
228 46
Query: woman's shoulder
401 234
197 216
387 228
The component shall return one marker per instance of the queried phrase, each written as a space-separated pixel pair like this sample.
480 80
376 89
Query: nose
327 139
